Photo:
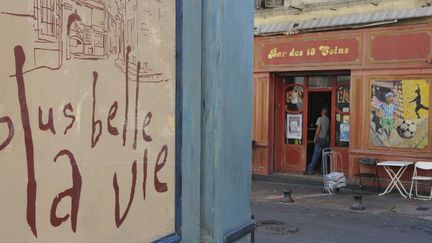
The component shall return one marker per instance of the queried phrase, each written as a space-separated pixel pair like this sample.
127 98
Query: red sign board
401 47
300 51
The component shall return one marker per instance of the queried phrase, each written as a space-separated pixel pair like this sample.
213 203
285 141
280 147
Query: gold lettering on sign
296 53
322 50
274 53
328 51
310 52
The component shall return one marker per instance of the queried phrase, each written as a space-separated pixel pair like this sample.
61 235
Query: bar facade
375 82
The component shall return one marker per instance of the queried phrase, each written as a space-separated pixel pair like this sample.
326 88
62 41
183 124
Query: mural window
87 35
131 32
47 17
99 40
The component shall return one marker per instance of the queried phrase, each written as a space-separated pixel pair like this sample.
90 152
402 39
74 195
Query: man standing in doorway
320 139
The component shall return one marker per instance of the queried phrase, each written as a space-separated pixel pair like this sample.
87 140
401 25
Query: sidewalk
307 192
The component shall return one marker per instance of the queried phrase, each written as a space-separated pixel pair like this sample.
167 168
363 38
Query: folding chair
421 166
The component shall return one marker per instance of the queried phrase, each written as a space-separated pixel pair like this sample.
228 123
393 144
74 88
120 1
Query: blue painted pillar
226 147
216 72
191 119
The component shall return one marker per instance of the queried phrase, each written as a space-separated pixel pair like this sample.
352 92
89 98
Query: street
324 218
324 225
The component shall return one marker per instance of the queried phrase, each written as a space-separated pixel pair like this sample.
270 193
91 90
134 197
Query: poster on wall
343 98
294 125
294 98
399 113
87 120
344 132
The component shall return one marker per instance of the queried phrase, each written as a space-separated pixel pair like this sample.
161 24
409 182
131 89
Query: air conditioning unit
274 3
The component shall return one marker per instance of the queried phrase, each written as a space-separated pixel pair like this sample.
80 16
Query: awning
343 21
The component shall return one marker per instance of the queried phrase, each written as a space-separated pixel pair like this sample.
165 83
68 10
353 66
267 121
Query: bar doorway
299 98
317 100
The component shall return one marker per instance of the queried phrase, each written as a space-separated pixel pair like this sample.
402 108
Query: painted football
407 129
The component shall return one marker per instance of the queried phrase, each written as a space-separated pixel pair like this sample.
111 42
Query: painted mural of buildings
79 27
86 29
70 28
92 30
134 25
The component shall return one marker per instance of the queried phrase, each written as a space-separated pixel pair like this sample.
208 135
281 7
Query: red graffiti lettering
28 140
125 124
147 121
119 220
111 115
74 193
159 186
11 132
136 105
49 125
95 124
72 117
145 163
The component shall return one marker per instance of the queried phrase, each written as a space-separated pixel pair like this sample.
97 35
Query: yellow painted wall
408 89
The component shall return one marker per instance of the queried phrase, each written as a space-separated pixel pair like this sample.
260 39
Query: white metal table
391 167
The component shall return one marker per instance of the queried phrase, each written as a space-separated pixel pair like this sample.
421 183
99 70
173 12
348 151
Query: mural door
289 126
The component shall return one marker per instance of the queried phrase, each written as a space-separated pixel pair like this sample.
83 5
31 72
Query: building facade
371 71
89 153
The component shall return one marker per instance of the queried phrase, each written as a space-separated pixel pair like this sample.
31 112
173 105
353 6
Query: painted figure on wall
388 114
418 101
399 113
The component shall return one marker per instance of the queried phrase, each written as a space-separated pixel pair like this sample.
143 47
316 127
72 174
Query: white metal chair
421 165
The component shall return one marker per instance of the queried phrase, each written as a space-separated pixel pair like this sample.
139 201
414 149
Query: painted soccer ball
407 129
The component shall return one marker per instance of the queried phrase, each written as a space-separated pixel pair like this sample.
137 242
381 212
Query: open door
317 100
290 143
299 99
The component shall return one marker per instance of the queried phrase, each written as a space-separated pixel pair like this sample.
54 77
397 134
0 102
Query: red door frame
279 146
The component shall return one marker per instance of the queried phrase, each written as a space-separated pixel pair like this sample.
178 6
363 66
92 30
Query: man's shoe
307 173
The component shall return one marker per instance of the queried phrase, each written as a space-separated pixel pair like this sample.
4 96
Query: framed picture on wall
294 126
